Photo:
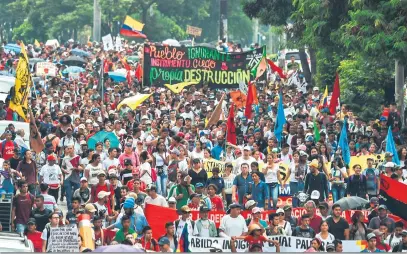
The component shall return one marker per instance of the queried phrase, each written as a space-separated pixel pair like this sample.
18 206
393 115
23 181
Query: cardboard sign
202 65
108 42
118 44
46 69
193 30
64 239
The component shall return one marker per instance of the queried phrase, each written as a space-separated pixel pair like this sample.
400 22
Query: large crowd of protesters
159 160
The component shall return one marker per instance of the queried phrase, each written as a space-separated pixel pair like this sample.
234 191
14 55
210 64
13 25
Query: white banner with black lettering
287 244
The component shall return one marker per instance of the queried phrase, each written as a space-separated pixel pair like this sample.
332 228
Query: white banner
64 239
287 244
108 42
46 69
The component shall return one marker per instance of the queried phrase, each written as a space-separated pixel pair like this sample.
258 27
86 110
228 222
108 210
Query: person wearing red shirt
217 202
147 240
8 150
102 186
34 235
195 202
255 236
136 177
315 220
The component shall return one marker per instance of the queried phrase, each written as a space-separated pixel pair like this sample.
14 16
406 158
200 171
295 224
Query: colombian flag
324 101
132 28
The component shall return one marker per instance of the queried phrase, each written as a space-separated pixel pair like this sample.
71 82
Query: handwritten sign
64 239
193 30
108 42
173 65
46 69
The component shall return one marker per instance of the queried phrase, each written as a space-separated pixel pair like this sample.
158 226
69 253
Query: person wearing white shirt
233 224
153 198
111 160
246 158
145 169
19 140
51 174
184 220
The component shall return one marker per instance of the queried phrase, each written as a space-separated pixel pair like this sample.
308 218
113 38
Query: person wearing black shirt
402 246
357 185
197 173
216 180
15 159
338 226
40 214
316 180
71 215
126 174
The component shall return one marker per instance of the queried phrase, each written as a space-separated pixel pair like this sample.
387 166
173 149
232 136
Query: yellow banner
208 165
19 98
362 160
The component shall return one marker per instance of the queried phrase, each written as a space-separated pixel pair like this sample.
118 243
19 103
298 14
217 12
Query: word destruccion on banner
203 65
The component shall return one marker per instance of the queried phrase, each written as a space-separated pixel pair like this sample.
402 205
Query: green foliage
363 82
270 12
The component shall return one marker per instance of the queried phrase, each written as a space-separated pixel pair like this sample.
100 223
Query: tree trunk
305 66
399 89
313 59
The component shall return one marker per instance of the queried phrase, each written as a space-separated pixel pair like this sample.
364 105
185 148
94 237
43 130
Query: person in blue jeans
260 192
72 179
160 162
337 179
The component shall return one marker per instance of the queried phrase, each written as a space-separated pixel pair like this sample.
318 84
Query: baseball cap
103 194
204 209
256 210
84 179
247 148
330 246
287 207
370 236
374 200
31 221
250 203
404 233
389 165
388 154
90 208
323 205
199 185
279 210
315 88
382 207
172 200
101 173
315 194
163 241
51 157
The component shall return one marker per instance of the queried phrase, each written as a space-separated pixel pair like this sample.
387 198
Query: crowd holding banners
116 150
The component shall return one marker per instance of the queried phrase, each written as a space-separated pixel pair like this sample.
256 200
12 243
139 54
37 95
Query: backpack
48 141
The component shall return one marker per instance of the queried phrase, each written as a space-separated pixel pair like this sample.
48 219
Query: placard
193 30
108 42
46 69
64 239
174 65
118 44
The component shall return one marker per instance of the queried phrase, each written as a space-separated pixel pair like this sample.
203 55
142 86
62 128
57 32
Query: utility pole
97 21
223 20
255 30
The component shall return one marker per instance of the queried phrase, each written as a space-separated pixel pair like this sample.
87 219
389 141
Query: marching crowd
159 158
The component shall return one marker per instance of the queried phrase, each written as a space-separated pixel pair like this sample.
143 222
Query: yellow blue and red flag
324 102
132 28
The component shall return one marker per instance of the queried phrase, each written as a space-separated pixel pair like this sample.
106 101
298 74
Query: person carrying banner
255 236
233 224
203 226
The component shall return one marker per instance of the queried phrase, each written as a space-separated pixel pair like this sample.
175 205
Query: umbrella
351 203
80 52
74 69
74 61
117 76
134 101
118 248
172 42
13 47
36 60
133 58
101 136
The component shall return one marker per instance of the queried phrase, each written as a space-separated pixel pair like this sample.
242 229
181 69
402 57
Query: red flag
139 72
335 96
231 134
277 69
249 102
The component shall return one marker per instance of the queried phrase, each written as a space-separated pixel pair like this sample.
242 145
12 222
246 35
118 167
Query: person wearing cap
372 179
371 244
382 218
183 190
83 192
34 235
138 220
172 203
388 157
316 180
283 223
128 173
200 191
184 221
245 159
324 210
103 198
205 227
153 198
256 218
164 244
103 186
233 224
51 174
287 216
68 140
402 246
129 154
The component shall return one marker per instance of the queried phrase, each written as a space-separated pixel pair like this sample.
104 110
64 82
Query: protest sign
362 161
208 165
193 30
64 239
108 42
118 44
287 244
46 69
172 65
